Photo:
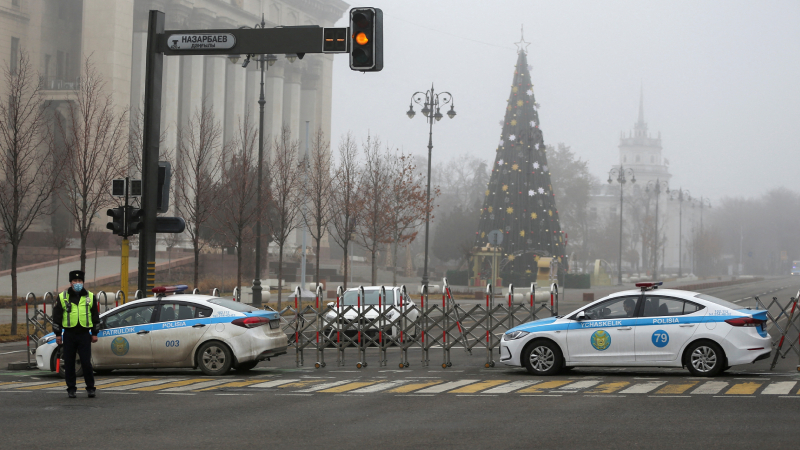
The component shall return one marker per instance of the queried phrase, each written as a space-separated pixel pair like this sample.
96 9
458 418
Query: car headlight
514 335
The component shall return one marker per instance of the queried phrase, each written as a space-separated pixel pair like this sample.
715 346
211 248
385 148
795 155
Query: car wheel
542 358
58 356
705 359
244 367
214 358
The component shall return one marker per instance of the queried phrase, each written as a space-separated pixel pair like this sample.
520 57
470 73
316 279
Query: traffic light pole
297 40
151 134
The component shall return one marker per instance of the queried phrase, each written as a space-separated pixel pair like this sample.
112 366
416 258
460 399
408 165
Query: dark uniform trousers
80 342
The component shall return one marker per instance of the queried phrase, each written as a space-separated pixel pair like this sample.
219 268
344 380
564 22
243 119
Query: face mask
77 287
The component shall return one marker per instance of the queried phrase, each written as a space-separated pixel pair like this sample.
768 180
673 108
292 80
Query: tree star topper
522 45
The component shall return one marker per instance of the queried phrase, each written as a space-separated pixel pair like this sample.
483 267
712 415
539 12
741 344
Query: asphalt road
466 406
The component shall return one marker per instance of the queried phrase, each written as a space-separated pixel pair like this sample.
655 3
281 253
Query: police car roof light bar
162 290
648 286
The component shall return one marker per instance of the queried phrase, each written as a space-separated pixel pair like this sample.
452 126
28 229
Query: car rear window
370 297
718 301
230 304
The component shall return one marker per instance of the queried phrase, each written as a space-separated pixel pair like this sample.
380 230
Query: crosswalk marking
82 385
31 383
380 387
780 388
413 387
580 385
538 388
608 388
6 383
349 387
174 384
676 388
744 388
43 386
140 385
710 387
303 383
273 383
446 386
198 386
124 383
233 384
510 387
643 388
320 387
477 387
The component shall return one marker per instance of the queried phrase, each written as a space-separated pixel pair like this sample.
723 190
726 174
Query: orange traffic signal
361 39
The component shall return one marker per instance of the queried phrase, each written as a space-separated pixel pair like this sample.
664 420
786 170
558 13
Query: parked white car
649 327
200 331
344 317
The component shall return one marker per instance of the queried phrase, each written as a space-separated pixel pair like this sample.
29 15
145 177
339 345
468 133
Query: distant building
642 153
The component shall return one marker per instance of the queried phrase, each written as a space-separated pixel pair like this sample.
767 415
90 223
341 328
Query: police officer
75 322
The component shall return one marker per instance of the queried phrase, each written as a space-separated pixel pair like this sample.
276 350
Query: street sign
170 225
201 41
495 237
118 187
136 188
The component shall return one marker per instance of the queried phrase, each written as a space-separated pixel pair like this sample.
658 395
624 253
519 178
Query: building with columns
59 34
641 152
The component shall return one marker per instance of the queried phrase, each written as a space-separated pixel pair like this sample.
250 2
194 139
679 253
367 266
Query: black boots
71 394
92 392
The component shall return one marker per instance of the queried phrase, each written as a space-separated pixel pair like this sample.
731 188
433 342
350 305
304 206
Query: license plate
275 324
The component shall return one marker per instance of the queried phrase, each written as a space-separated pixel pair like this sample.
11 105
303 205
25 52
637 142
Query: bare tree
286 195
94 140
318 191
346 201
239 193
375 227
136 143
407 205
198 168
59 239
28 172
96 239
170 241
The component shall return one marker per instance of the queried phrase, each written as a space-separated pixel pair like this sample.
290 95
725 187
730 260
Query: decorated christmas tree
519 197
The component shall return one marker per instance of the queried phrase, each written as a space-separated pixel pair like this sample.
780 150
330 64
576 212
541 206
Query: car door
606 335
124 338
665 325
179 327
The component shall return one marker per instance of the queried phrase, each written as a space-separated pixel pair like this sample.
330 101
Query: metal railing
785 320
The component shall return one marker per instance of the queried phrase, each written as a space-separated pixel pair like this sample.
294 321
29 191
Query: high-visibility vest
80 314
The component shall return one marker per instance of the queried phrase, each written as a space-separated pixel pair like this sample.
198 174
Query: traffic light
334 40
366 39
117 224
135 220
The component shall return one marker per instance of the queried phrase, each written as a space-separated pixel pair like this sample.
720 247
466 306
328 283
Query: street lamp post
265 61
431 105
703 202
656 187
621 175
681 195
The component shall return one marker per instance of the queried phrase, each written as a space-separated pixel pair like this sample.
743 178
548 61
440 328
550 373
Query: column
291 101
169 102
234 101
190 99
252 91
273 109
308 110
214 84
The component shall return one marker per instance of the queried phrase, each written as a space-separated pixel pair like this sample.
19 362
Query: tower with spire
519 197
642 152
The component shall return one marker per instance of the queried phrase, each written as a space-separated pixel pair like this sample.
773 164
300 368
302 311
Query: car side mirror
580 316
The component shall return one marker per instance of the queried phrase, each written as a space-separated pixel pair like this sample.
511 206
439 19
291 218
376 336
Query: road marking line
608 388
198 386
174 384
477 387
542 395
743 389
139 385
735 396
303 384
383 386
349 386
543 386
125 383
413 387
320 387
438 389
670 396
579 385
82 385
676 388
33 383
15 351
779 388
710 387
6 383
176 393
15 392
233 394
274 383
510 387
406 395
232 385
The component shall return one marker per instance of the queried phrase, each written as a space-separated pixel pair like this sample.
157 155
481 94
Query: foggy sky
721 82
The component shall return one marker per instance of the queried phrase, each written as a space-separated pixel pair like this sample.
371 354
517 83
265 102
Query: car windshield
718 301
230 304
370 297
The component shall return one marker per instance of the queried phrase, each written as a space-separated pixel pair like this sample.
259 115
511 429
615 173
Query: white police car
212 333
647 328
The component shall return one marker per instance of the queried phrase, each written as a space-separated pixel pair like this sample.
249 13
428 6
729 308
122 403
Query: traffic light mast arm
252 41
